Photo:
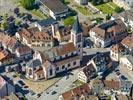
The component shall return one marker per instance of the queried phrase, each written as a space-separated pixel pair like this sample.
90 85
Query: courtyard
107 8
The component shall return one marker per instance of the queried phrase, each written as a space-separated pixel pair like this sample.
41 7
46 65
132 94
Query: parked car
54 92
21 83
118 73
26 86
122 77
32 92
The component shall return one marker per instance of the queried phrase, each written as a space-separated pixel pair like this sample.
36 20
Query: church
64 57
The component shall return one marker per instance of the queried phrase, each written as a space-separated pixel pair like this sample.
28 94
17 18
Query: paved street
63 85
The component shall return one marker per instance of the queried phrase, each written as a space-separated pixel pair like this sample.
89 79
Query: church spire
76 28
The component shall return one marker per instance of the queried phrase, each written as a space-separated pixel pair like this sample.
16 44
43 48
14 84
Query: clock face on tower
79 38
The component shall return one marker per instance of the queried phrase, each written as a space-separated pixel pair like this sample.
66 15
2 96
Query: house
46 24
119 87
125 87
97 86
126 4
23 52
87 73
6 87
82 2
127 61
56 11
63 33
101 62
112 31
9 43
128 44
127 17
116 52
121 97
111 86
79 93
6 58
33 38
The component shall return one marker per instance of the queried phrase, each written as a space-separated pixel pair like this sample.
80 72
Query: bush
28 4
118 9
18 22
4 25
108 17
69 21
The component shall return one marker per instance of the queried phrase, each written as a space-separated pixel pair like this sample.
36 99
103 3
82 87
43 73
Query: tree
4 25
108 17
118 9
97 2
89 0
28 4
94 2
18 22
16 11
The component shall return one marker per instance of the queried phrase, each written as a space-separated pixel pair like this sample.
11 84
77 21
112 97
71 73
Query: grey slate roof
128 14
46 22
55 5
76 27
34 63
130 58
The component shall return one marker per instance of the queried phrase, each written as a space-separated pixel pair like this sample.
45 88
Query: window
51 71
63 66
79 38
43 45
79 46
60 57
49 45
74 63
54 59
69 65
57 68
66 55
30 72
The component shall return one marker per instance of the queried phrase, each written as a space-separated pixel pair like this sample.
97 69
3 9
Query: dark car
32 92
116 70
21 82
38 95
118 73
122 77
54 92
26 86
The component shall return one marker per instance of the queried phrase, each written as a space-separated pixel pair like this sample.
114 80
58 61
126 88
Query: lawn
107 8
83 10
38 14
66 2
78 83
69 21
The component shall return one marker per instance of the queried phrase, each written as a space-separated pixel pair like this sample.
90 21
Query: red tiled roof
112 84
80 90
65 49
128 41
23 49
